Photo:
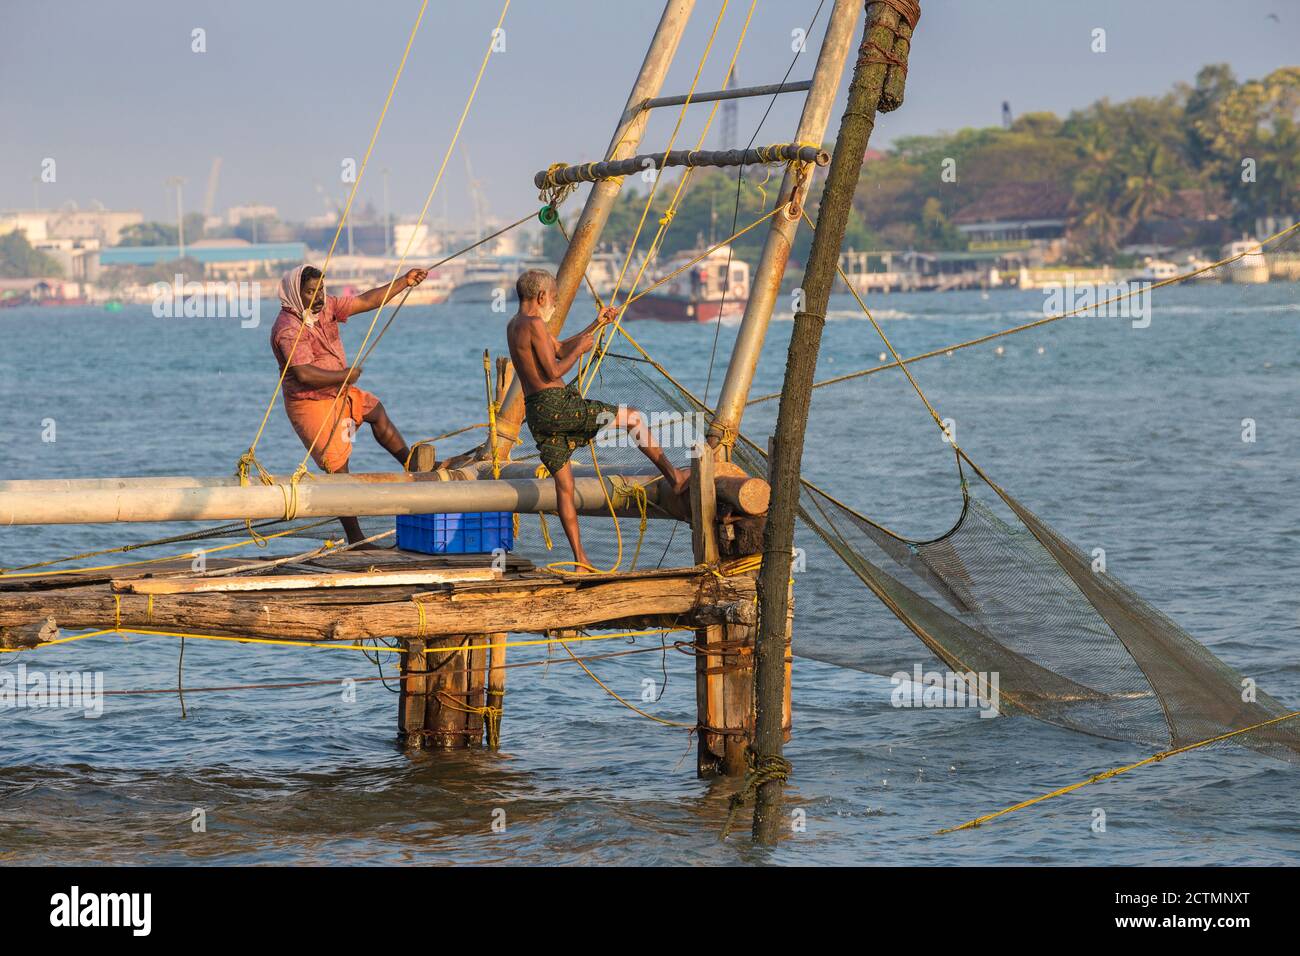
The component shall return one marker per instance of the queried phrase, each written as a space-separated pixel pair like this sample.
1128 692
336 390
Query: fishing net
999 593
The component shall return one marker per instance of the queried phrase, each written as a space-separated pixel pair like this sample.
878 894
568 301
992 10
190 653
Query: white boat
1156 270
1251 268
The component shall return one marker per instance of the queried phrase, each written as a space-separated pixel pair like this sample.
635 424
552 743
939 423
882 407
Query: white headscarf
291 295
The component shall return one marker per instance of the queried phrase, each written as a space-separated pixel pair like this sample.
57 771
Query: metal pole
776 249
309 499
626 139
739 93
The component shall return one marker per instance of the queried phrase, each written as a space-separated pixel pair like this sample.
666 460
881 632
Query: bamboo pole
220 498
600 201
865 94
766 283
310 499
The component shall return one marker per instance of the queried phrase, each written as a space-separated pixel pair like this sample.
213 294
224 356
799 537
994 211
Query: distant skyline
287 90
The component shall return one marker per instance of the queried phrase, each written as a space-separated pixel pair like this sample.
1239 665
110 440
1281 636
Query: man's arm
380 294
583 340
315 377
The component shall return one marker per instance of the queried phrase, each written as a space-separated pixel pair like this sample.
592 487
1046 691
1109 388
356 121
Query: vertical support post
444 720
878 55
626 139
709 701
475 687
766 283
412 695
496 685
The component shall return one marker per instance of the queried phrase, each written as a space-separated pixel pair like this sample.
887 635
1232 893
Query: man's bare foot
582 566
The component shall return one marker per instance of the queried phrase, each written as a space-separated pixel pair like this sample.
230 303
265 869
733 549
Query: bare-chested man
560 419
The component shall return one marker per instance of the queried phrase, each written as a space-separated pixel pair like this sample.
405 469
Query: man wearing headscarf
323 405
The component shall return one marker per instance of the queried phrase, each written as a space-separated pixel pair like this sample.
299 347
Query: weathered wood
424 458
708 686
411 701
526 605
865 92
475 685
30 634
496 682
445 715
291 582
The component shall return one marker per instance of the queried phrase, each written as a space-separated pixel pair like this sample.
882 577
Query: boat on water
1251 268
1156 270
483 277
714 288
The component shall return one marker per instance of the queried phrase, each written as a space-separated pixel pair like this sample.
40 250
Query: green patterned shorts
561 420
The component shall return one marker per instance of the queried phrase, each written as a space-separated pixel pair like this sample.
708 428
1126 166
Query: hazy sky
288 88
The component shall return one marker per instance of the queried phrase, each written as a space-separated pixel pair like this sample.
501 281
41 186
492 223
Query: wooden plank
293 582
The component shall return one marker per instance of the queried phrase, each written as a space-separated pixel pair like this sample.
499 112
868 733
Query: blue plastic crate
470 533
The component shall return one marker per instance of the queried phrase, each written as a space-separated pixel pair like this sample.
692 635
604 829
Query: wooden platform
285 602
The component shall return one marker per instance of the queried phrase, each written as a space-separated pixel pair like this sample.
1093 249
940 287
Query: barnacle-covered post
877 85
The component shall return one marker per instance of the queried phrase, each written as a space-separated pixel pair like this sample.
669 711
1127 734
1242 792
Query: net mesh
1000 593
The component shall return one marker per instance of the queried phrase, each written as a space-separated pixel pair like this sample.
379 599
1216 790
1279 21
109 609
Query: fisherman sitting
323 405
560 419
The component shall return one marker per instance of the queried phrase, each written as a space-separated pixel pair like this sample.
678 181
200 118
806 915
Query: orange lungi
328 418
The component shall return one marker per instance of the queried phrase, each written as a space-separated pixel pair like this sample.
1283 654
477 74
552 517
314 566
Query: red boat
709 290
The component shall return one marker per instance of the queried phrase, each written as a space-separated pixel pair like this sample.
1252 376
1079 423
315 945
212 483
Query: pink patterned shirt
318 345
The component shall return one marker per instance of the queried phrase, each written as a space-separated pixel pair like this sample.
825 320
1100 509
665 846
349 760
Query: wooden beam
294 582
530 605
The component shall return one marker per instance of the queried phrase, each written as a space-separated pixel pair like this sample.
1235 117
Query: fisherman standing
319 394
560 419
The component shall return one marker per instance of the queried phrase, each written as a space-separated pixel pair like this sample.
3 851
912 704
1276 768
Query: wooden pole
600 201
411 701
878 49
496 685
766 284
709 704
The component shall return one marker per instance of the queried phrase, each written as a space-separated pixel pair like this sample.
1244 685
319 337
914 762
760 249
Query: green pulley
548 215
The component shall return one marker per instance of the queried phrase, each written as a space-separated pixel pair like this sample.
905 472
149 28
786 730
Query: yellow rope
1097 778
437 438
491 716
605 688
451 146
169 557
665 221
980 340
615 635
249 458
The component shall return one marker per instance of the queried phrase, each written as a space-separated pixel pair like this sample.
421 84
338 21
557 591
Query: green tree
18 260
147 234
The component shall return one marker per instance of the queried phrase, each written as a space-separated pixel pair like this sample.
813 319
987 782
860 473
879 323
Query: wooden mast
883 54
600 201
